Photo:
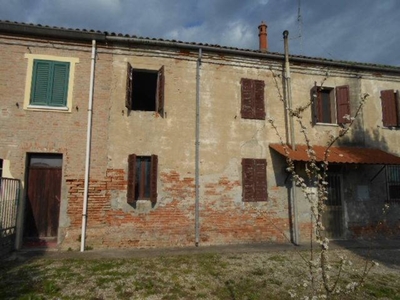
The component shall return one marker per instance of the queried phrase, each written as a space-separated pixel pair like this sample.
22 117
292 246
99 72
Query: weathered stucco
225 138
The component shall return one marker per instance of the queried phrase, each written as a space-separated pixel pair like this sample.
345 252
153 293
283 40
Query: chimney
262 34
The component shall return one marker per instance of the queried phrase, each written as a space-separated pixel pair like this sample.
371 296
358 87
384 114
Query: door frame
24 222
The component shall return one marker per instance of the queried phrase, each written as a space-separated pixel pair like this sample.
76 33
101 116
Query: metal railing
9 198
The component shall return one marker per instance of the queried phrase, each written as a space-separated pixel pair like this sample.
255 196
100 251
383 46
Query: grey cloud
360 30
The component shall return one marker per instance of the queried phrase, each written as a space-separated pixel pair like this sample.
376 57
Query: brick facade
225 139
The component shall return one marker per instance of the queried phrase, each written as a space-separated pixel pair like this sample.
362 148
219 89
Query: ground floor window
254 180
142 178
393 183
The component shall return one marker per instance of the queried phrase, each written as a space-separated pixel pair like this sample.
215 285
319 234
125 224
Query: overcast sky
354 30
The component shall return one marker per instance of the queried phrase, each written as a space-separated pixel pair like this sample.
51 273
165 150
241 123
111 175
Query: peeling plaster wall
225 138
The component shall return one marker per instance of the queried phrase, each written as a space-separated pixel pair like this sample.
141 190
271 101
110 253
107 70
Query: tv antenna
300 25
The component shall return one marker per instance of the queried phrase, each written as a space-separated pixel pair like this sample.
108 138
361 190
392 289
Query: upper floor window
254 180
390 108
331 105
49 82
145 90
252 104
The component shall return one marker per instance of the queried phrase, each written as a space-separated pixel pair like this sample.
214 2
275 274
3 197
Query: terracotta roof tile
347 155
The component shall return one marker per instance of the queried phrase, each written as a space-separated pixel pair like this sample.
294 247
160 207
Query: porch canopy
344 155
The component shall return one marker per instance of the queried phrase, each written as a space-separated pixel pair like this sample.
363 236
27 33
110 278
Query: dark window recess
142 178
331 105
390 108
393 183
254 180
145 90
1 168
49 83
252 99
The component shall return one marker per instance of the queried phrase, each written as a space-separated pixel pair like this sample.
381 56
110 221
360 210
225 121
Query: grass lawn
275 275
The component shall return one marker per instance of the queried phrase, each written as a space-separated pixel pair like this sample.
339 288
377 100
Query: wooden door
43 196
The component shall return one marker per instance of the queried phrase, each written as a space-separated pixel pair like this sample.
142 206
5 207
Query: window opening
331 105
142 178
393 183
145 90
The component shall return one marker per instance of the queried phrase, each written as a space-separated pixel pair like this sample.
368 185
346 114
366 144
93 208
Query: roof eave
50 32
82 35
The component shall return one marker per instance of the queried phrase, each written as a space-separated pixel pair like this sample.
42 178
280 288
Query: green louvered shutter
49 83
40 82
59 85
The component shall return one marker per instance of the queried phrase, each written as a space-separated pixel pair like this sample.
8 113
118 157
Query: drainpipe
288 107
88 143
197 154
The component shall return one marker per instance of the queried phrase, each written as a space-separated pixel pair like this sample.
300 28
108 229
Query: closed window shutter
49 83
247 107
153 178
319 108
248 179
160 92
389 108
343 103
254 180
59 84
260 180
397 99
129 87
40 90
314 103
131 178
259 99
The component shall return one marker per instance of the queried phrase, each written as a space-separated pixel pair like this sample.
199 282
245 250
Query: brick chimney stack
262 34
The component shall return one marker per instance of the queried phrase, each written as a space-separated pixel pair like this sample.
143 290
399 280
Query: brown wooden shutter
259 106
260 180
131 178
343 104
254 180
389 108
247 107
316 104
160 92
247 179
129 87
153 178
397 99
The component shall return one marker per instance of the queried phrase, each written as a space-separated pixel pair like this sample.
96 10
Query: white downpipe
197 166
88 143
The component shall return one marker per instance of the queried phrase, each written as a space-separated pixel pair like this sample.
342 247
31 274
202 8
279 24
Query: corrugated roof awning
341 155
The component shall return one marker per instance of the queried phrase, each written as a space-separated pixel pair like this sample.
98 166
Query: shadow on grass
21 277
382 251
